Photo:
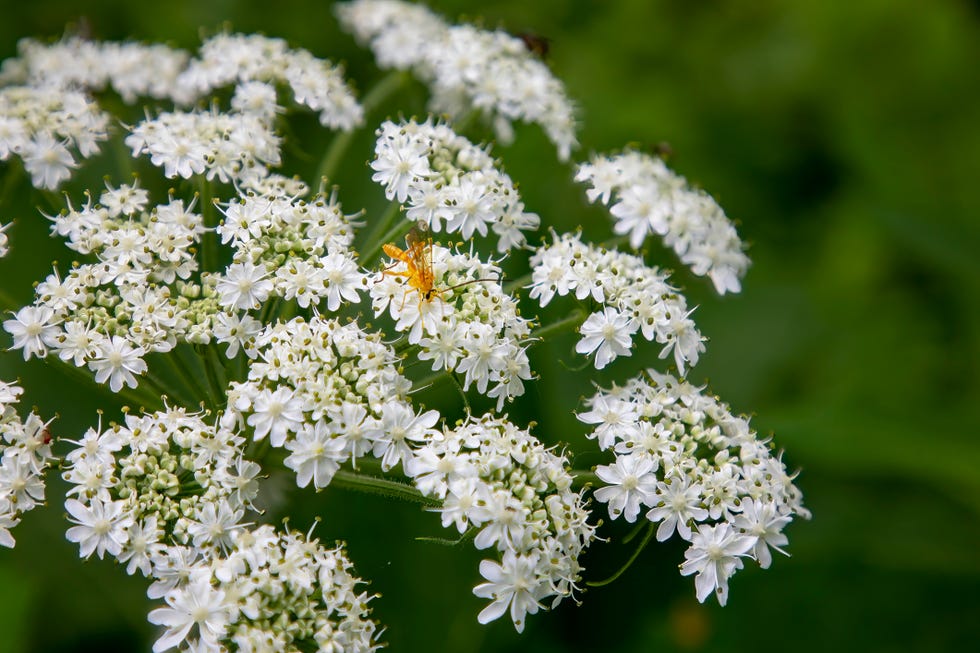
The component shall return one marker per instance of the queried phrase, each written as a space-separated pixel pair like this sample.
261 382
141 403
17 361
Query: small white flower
34 329
317 452
512 583
714 555
608 334
118 362
195 604
275 414
244 286
101 527
631 482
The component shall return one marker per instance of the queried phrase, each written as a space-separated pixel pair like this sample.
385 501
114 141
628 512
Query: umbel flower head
230 297
271 591
25 455
703 473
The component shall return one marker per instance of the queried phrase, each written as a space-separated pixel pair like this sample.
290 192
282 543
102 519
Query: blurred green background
844 137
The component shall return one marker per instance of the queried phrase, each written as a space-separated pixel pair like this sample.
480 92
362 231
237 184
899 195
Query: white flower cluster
161 479
270 592
443 177
635 298
466 68
137 70
702 472
453 307
646 196
238 59
4 239
44 125
499 482
230 146
138 298
131 69
328 393
25 453
289 248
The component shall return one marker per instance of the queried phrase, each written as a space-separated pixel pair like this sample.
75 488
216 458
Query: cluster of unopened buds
257 324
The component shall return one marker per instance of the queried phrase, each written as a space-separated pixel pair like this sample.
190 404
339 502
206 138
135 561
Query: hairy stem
387 228
382 487
569 323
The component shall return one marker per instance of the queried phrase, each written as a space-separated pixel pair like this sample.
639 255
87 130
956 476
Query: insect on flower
418 272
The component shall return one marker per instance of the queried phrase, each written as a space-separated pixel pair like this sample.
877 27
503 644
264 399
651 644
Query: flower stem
14 172
431 380
209 244
139 398
387 230
629 563
214 387
187 376
8 302
574 319
382 487
381 91
583 477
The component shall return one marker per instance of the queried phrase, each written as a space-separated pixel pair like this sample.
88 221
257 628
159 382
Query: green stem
387 230
270 310
573 320
515 284
462 392
382 487
14 172
381 91
214 387
160 387
123 156
8 302
187 376
583 477
629 563
139 398
217 367
431 380
209 240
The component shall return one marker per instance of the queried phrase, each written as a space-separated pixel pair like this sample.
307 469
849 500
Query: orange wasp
418 265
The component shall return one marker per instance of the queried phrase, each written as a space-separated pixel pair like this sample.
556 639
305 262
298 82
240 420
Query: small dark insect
662 150
536 44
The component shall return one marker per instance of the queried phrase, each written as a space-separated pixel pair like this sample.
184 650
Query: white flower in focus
714 555
195 604
244 286
275 414
608 334
101 527
631 483
398 167
316 455
678 502
400 427
761 520
511 583
215 525
118 362
34 329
